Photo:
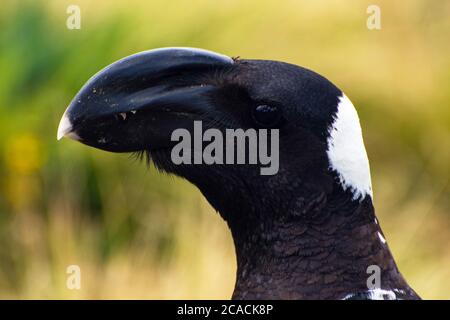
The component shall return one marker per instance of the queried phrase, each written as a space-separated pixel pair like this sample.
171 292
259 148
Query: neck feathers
326 257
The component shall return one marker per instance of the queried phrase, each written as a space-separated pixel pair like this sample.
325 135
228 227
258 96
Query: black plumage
298 234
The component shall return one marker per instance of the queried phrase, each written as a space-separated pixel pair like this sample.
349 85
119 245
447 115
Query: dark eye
266 115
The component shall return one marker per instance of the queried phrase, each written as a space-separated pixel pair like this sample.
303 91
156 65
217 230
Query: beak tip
64 128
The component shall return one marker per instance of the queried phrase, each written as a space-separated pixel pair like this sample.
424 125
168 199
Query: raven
307 232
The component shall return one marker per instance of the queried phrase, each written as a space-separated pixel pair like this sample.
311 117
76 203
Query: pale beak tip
64 128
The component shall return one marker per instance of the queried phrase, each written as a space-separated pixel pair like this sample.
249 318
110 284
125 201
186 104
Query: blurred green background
139 234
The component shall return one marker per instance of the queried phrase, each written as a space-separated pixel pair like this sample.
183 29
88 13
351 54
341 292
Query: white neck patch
346 151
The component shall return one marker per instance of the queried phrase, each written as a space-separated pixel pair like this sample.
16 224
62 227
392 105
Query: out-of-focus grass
138 234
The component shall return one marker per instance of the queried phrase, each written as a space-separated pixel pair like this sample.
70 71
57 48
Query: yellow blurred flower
23 154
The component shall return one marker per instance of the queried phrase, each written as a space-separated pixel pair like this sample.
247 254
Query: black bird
307 232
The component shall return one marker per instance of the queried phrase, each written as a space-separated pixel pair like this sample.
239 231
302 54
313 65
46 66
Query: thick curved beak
138 100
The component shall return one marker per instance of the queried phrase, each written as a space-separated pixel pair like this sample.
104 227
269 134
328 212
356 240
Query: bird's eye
266 115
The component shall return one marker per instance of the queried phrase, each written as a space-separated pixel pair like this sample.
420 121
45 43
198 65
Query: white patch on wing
382 239
375 294
400 291
346 151
380 294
